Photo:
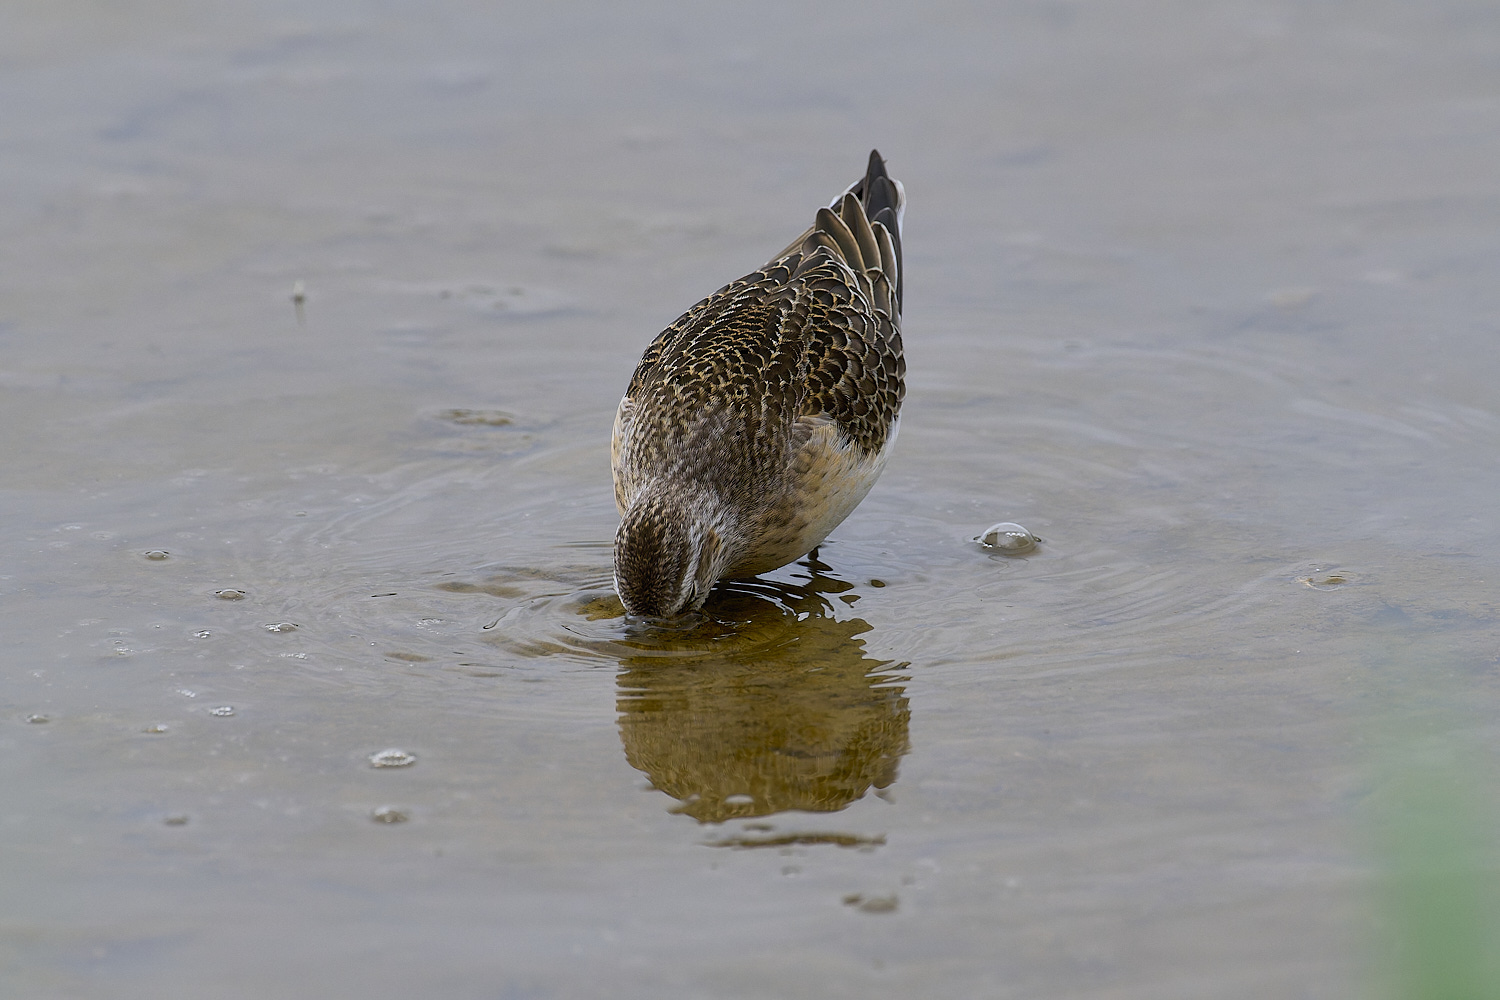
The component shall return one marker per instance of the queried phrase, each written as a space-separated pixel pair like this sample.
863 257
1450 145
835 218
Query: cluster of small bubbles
176 819
389 814
230 595
223 711
392 758
38 719
281 627
156 555
1008 538
202 634
155 727
186 693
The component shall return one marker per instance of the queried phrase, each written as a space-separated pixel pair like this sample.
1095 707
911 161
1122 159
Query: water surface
1204 298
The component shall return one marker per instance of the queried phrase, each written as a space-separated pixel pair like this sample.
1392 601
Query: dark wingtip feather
876 191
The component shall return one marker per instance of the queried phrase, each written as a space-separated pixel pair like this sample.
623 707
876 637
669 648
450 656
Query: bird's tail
884 199
863 227
884 202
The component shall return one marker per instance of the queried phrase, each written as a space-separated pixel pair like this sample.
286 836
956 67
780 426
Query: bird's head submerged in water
666 558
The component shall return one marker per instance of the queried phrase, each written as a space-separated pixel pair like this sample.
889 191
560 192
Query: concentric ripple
743 619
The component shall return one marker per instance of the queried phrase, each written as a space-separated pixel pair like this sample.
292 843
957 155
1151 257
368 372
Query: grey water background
1205 295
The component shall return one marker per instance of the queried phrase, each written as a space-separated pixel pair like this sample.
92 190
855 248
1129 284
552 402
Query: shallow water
1202 298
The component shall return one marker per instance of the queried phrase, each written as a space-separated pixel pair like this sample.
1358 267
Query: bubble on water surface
155 727
389 814
1008 538
230 595
38 719
156 555
281 627
223 711
392 757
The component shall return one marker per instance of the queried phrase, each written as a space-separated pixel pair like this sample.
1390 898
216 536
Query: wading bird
758 420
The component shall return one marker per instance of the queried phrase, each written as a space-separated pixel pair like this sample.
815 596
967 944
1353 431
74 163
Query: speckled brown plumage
759 419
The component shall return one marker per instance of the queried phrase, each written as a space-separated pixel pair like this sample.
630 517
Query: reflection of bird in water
797 717
758 420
